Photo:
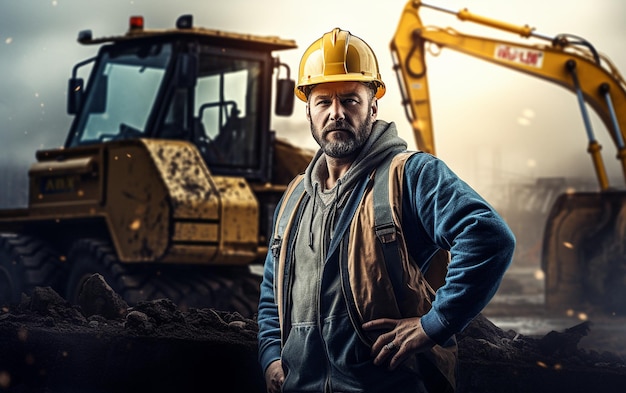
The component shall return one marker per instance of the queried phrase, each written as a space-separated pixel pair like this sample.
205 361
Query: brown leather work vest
380 287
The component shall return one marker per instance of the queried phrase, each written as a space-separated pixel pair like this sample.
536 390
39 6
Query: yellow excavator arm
565 60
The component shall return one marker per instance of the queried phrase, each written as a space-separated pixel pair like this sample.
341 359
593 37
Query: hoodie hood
382 141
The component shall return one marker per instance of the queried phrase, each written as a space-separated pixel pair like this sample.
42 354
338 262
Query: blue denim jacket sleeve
441 211
269 338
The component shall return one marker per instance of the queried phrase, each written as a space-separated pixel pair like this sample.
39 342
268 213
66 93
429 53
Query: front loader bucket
583 255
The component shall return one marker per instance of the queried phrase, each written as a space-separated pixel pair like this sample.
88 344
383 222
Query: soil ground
102 345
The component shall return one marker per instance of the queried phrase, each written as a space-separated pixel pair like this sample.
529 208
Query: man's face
341 116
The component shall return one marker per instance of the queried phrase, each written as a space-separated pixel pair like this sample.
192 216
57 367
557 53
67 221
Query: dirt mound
53 346
103 345
494 360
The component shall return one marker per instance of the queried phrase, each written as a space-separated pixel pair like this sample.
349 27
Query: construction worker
347 305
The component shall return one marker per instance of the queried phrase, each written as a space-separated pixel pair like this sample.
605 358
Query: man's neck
337 167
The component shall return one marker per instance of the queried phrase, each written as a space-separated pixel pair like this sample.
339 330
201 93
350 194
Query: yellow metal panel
194 254
186 178
160 186
198 232
239 213
194 194
206 255
74 165
137 204
59 183
239 224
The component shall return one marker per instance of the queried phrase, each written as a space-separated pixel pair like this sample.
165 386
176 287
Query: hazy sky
490 123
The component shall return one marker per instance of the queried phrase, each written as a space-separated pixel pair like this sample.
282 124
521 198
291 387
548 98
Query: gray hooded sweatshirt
323 352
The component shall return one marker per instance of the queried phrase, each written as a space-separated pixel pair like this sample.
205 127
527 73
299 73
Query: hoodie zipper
322 243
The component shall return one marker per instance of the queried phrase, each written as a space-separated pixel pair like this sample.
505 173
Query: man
331 316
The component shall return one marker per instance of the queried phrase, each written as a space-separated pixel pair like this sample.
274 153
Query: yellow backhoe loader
169 176
584 244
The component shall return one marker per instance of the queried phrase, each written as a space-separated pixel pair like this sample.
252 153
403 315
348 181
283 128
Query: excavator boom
583 254
570 64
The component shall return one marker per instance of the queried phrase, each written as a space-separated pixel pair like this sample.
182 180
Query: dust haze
493 127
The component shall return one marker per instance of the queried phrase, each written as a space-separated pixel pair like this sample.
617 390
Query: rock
98 298
566 342
160 310
46 302
139 322
45 299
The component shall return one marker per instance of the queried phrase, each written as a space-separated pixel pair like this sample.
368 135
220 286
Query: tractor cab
208 87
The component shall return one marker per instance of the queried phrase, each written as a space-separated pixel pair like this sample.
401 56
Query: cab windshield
122 93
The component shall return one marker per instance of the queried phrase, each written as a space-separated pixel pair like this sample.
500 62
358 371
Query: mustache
337 126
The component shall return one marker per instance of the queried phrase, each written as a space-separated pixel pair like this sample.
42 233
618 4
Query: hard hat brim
316 80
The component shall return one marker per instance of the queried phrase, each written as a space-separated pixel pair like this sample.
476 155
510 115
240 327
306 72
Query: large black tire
583 253
226 289
25 263
92 256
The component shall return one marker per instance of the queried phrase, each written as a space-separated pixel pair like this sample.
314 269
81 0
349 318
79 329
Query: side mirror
74 95
76 86
284 93
284 97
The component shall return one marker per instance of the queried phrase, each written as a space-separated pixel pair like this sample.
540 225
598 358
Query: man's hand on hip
402 339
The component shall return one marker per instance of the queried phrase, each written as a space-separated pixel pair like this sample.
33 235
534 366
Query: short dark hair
373 88
307 90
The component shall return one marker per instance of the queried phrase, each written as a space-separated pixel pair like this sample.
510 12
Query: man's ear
374 108
308 111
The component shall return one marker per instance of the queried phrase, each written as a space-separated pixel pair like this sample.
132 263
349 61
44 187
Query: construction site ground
48 345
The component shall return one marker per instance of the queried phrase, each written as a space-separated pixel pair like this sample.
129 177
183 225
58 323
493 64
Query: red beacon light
136 23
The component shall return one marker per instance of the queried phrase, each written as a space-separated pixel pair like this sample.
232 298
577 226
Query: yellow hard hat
338 57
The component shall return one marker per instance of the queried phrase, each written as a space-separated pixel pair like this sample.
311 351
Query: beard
350 142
